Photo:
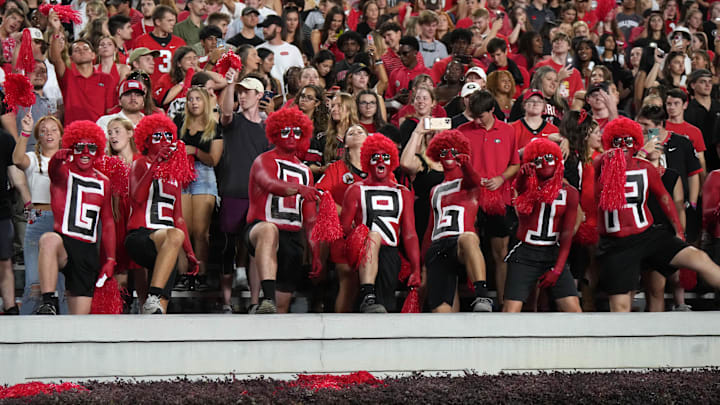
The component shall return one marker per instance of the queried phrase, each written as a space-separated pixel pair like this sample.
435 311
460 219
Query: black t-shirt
459 120
680 156
196 139
669 178
709 124
7 145
239 40
243 142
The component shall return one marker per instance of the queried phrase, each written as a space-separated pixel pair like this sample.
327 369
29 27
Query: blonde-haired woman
108 63
48 133
328 146
202 135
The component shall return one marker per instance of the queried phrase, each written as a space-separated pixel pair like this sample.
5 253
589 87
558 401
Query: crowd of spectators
358 68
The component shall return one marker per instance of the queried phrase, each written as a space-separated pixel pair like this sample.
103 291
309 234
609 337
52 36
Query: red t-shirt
164 60
392 61
492 150
571 84
590 18
690 131
337 178
86 98
524 134
161 88
401 78
139 30
370 128
439 67
466 23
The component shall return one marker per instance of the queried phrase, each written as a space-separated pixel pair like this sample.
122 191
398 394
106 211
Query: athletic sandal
482 304
370 305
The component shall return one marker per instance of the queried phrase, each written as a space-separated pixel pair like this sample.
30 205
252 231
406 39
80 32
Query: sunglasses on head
628 141
296 131
79 148
377 157
158 136
548 158
452 151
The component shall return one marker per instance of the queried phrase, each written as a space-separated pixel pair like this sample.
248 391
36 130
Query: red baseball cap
131 85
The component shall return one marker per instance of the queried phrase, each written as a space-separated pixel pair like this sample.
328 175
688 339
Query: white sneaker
152 306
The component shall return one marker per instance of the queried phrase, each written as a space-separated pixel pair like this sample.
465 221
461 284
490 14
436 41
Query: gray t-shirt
243 142
626 23
432 51
40 109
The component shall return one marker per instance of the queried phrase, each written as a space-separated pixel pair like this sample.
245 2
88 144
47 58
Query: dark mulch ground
657 387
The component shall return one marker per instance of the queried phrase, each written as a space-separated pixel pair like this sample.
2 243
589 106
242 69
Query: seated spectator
370 114
328 147
311 101
327 36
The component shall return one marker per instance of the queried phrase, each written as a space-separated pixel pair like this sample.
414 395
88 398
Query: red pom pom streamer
117 171
227 61
65 13
327 227
35 388
317 382
25 60
612 180
106 299
18 91
526 201
357 246
688 279
180 167
491 202
412 303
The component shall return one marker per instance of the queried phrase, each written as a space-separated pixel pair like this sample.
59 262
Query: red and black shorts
623 259
82 268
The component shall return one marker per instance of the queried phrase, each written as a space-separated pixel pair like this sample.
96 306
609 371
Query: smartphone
653 133
267 96
499 14
220 43
569 61
591 65
437 123
660 52
370 39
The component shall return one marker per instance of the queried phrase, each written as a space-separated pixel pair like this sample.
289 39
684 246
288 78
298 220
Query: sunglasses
549 159
79 148
618 142
296 131
158 136
375 158
444 152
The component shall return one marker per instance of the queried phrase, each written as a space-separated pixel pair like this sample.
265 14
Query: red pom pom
317 382
25 60
227 61
491 202
327 227
356 248
526 201
180 167
106 299
65 13
688 279
35 388
412 303
612 180
117 172
18 91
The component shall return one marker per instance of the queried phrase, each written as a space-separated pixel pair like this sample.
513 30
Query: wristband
25 134
693 204
27 204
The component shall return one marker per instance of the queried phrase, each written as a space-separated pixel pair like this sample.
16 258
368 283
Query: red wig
448 139
378 144
622 127
289 117
79 130
180 166
150 124
547 191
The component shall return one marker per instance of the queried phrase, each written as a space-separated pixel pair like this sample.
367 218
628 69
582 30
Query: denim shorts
205 182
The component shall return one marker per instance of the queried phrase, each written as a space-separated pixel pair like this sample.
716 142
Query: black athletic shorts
714 250
622 260
6 238
82 268
497 226
289 258
142 251
443 271
386 281
526 263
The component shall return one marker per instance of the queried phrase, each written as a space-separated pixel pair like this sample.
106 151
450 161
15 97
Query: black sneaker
370 306
47 309
12 311
201 283
183 283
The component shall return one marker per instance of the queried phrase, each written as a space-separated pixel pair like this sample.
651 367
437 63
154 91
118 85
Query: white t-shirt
38 183
286 56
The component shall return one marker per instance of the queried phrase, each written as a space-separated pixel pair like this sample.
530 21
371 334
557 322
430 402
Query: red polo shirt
86 98
492 151
392 61
400 78
524 134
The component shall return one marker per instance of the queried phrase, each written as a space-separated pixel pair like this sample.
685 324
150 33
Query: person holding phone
570 80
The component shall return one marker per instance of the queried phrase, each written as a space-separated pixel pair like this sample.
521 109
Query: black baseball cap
249 10
270 20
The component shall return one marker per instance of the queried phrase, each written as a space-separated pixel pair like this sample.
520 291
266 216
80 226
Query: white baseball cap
478 71
469 88
36 34
252 83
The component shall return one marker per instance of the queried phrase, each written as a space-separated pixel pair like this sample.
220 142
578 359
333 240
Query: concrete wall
155 347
